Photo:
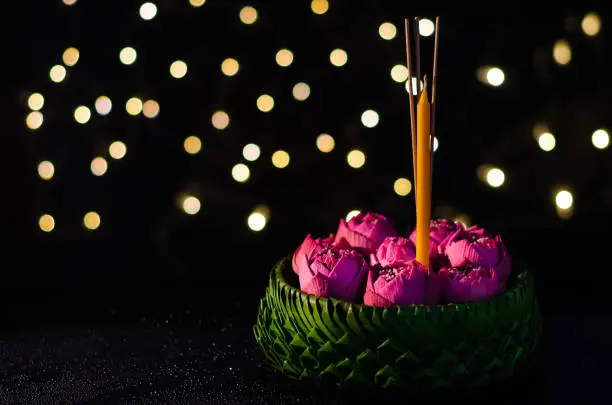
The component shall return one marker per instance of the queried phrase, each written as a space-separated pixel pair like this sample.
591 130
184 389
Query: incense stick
433 93
417 50
411 98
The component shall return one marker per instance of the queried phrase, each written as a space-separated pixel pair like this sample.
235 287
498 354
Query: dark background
148 258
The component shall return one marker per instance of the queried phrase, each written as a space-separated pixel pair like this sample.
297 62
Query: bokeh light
148 11
46 170
411 86
325 143
387 31
495 177
70 57
191 205
128 55
319 6
230 66
284 57
133 106
46 223
265 103
435 143
338 57
197 3
562 52
82 114
256 221
600 139
251 152
241 172
591 24
103 105
192 144
220 120
402 186
99 166
426 27
178 69
69 2
301 91
117 150
399 73
369 118
36 101
352 214
150 109
356 158
280 159
495 76
547 141
564 199
92 220
57 73
248 15
34 120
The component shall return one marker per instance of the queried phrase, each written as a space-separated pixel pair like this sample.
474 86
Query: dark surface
182 359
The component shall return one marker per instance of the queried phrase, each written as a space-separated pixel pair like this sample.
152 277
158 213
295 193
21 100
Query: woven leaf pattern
417 348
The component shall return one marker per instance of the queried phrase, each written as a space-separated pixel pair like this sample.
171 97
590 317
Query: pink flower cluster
366 261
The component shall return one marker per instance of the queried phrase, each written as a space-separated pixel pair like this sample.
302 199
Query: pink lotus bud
395 251
365 231
332 272
308 248
403 285
466 283
439 232
471 250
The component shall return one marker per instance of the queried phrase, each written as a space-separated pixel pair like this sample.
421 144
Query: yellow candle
423 184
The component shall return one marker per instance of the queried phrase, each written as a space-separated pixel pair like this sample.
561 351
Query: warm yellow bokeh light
562 52
148 11
191 205
192 144
387 31
319 6
495 76
92 220
251 152
46 223
220 120
117 150
34 120
265 103
495 177
564 199
133 106
435 143
256 221
412 83
399 73
241 172
69 2
284 57
356 158
248 15
325 143
402 186
82 114
178 69
547 141
36 101
369 118
99 166
600 139
150 109
230 67
280 159
103 105
70 56
57 73
301 91
591 24
352 214
128 55
338 57
46 170
426 27
197 3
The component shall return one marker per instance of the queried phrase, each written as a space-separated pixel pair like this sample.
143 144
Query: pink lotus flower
440 231
477 231
466 283
365 231
332 272
406 284
395 250
468 249
309 247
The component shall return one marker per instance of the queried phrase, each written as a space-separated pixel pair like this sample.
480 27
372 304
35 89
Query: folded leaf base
415 349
